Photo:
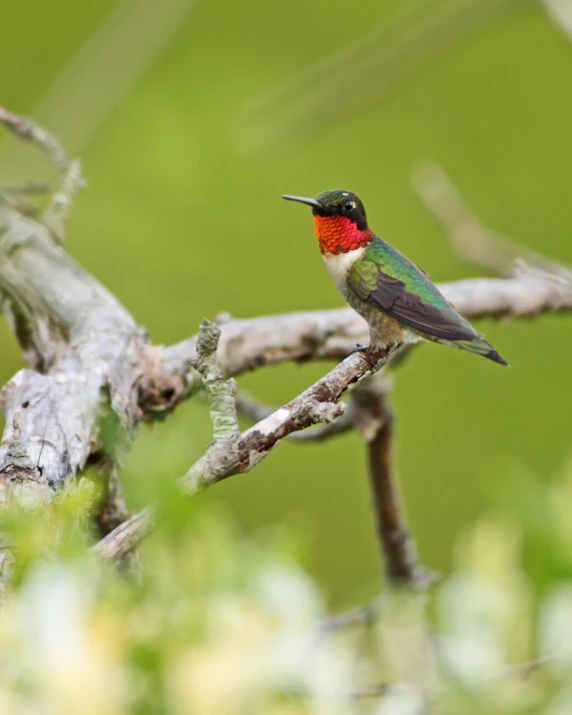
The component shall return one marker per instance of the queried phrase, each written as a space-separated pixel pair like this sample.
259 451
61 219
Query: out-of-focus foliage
210 621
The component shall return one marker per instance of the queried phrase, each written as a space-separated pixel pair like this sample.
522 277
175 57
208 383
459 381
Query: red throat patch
339 234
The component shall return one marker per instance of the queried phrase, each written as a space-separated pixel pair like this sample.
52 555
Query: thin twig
28 188
372 691
28 130
56 215
126 537
363 615
522 671
71 179
113 511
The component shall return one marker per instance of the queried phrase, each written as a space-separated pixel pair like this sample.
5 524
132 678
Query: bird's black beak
311 202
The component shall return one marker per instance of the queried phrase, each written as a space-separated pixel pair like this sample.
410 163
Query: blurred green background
192 119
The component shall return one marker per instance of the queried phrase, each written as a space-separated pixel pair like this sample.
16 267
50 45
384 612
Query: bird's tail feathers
479 346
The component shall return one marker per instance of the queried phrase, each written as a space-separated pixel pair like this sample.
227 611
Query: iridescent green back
379 255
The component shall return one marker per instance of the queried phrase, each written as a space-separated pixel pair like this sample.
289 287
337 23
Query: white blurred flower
555 629
469 610
73 660
53 612
401 701
289 593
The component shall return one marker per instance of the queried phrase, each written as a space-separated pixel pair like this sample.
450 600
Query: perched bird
398 300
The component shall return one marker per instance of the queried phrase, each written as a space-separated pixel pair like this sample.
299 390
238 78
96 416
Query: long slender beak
302 200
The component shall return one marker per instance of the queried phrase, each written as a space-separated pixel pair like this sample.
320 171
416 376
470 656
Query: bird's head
339 220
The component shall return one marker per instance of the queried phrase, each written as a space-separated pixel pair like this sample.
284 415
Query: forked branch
319 403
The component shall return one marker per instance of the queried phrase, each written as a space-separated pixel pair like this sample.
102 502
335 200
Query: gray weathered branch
86 350
255 412
88 355
319 403
246 345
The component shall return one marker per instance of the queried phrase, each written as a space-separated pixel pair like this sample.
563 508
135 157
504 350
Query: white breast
339 266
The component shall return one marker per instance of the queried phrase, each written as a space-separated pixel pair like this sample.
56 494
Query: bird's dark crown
341 203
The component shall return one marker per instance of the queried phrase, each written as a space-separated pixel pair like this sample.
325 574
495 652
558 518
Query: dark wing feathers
414 301
410 309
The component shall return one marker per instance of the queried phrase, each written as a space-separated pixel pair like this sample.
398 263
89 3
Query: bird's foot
375 356
359 349
366 352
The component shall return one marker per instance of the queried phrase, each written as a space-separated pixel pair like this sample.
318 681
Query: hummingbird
397 299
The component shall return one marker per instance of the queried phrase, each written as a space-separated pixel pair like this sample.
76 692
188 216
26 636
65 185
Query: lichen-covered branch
319 403
221 390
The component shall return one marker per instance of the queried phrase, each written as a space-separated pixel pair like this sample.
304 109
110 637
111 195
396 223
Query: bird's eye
349 206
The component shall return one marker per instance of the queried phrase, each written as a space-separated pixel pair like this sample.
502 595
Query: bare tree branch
470 237
318 403
71 179
373 418
314 335
223 459
113 511
360 616
126 537
255 412
87 351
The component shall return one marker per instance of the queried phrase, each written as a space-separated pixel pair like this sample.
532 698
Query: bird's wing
387 280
